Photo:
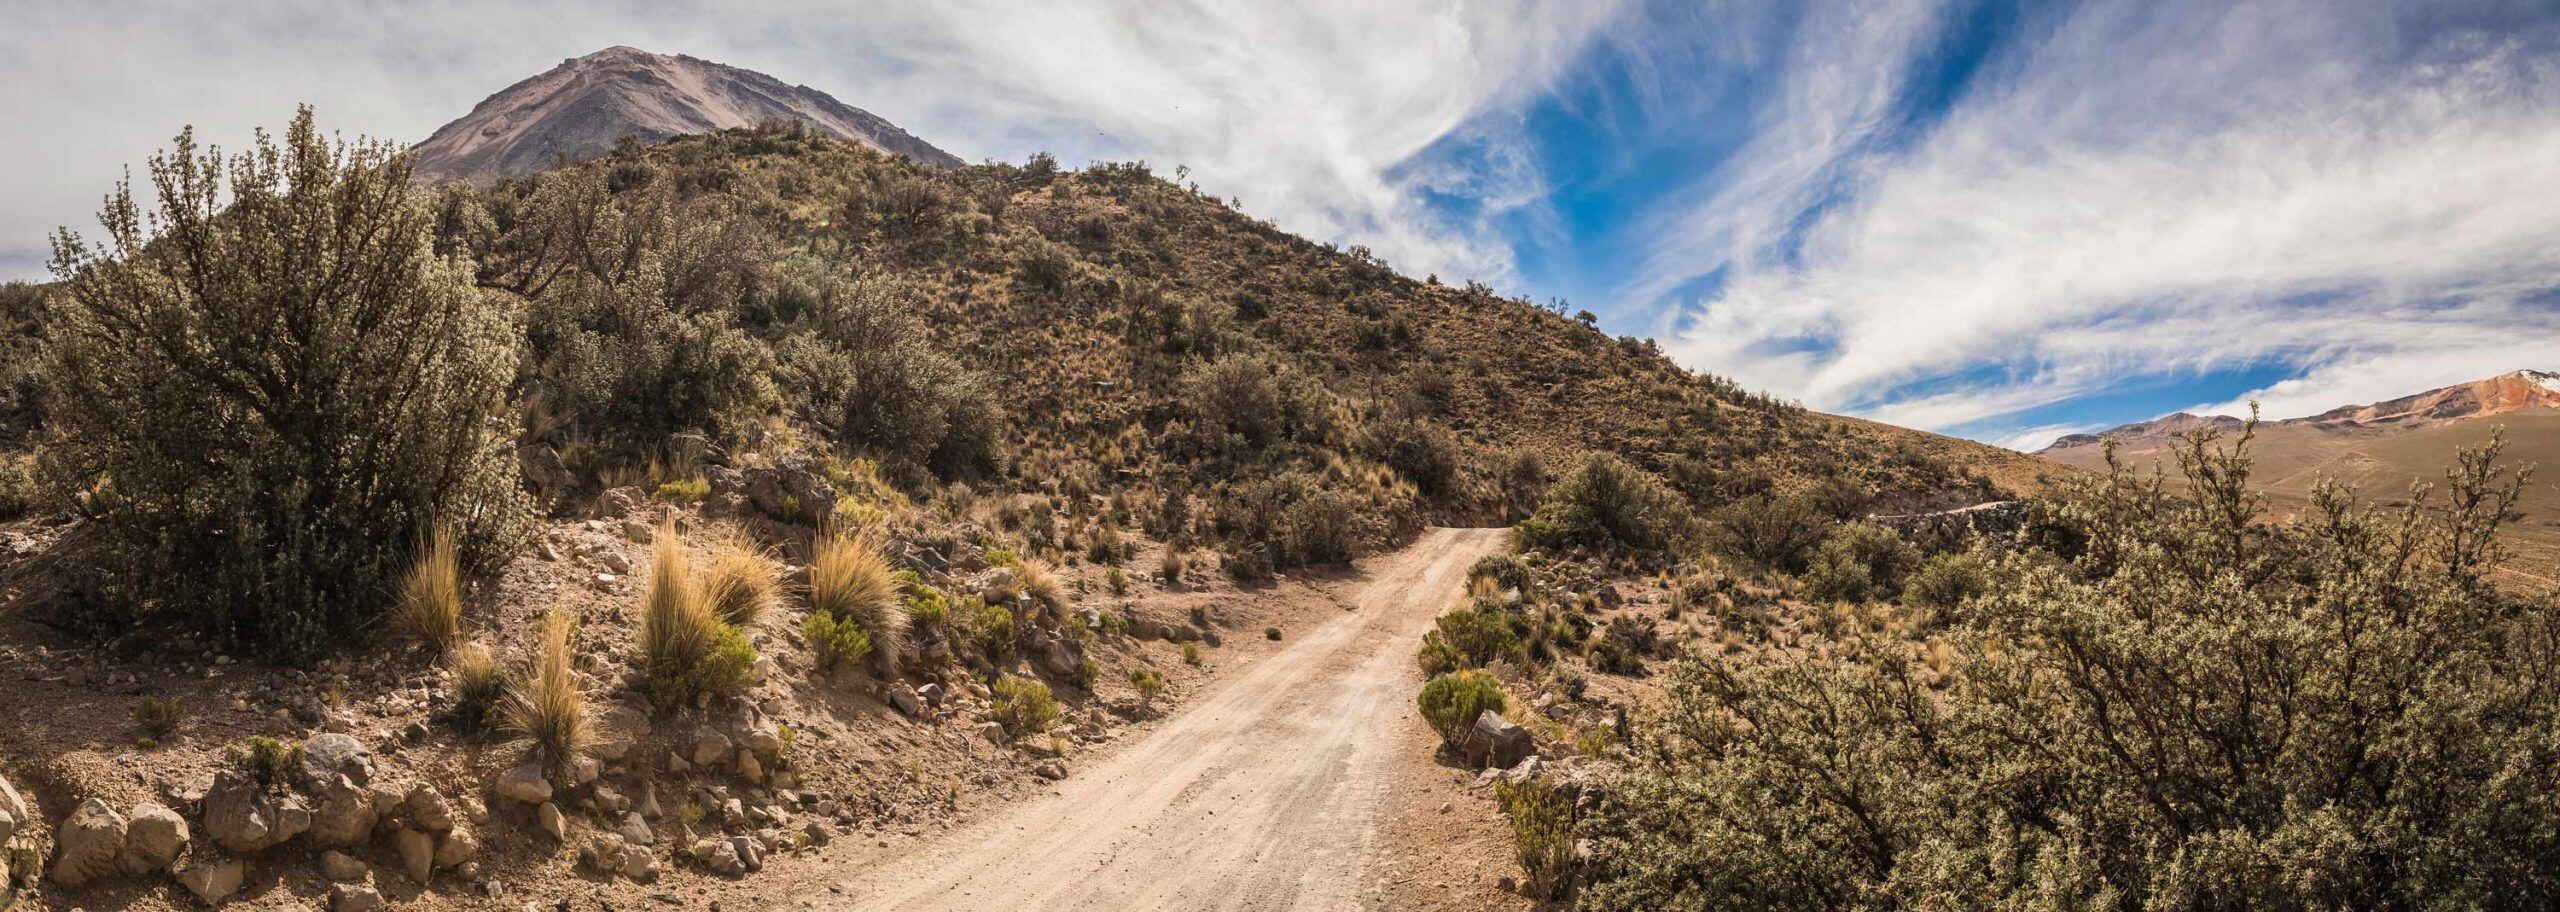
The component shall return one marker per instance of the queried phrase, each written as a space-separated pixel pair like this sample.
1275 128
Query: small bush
1857 562
155 718
1171 567
684 490
1271 633
1469 638
1191 654
477 681
992 627
1947 580
835 642
1451 702
1022 705
271 762
1148 683
431 593
1607 503
1542 830
548 710
1779 533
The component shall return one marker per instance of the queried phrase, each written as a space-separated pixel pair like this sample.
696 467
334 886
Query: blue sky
2004 220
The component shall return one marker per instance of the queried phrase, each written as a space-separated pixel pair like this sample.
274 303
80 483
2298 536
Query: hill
586 105
2379 450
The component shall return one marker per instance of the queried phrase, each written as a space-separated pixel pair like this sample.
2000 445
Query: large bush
1451 702
2191 709
266 399
1606 502
869 374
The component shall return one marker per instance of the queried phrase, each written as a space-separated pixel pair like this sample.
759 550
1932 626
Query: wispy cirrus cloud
1303 111
2135 191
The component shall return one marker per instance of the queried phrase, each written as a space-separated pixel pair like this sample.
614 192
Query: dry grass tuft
547 708
1041 583
478 683
686 649
431 594
849 579
740 582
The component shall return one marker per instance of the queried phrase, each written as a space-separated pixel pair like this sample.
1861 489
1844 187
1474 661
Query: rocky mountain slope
2504 394
585 105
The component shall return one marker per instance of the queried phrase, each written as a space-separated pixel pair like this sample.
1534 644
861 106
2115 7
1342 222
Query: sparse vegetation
1149 684
546 707
739 582
1542 827
1022 705
155 717
685 649
269 761
431 593
478 684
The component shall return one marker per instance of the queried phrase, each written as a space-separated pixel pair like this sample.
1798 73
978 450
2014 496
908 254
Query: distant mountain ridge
2505 393
581 108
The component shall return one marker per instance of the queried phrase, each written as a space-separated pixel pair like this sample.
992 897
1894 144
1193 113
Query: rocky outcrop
793 490
343 814
241 817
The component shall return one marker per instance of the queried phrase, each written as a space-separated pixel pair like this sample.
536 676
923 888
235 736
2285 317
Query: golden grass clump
431 593
850 580
547 708
478 683
1041 583
686 649
739 583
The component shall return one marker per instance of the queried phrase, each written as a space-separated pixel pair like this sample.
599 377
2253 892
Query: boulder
749 852
355 898
417 853
1060 659
618 729
330 755
85 847
341 867
345 814
13 810
548 816
154 837
241 817
213 881
621 502
426 809
1495 743
749 767
525 783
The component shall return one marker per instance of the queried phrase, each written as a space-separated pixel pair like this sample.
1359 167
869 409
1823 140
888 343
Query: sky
2001 220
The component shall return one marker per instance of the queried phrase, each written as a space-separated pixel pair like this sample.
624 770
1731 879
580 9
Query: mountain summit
579 109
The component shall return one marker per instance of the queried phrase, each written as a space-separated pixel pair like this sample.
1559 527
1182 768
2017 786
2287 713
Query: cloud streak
1303 111
2148 190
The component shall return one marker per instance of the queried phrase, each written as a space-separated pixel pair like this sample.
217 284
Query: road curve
1267 792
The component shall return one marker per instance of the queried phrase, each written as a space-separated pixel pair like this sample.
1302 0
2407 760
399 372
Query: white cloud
1302 110
2152 191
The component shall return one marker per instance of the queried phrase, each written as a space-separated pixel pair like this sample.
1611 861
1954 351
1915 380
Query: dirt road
1269 791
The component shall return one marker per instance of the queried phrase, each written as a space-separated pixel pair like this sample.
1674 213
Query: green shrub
1451 702
1606 503
685 649
835 643
264 440
1778 533
1426 454
1321 528
1148 683
1191 654
1542 831
155 718
1470 638
870 374
993 629
1948 580
273 763
2195 709
1022 705
1857 562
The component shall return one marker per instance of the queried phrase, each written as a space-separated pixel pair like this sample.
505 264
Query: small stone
649 802
457 848
583 770
525 783
710 747
214 881
639 863
635 830
749 767
549 816
355 898
603 853
749 852
417 853
426 809
329 755
342 867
